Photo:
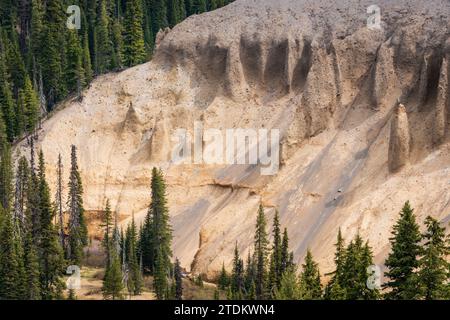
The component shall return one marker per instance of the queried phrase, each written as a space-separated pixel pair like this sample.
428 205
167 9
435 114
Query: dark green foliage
135 281
237 276
276 263
402 261
134 46
51 255
77 237
310 285
434 268
224 279
261 255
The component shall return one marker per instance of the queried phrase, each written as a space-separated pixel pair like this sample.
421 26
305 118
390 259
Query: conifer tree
103 42
51 257
9 261
134 46
335 289
6 96
74 72
6 178
289 287
77 237
310 285
107 233
159 15
135 282
112 283
59 202
276 267
434 274
223 280
198 6
161 234
237 276
261 253
31 106
402 262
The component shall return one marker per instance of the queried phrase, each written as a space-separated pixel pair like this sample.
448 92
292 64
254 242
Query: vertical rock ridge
399 140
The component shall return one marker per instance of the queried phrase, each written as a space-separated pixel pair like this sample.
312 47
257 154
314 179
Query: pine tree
51 56
434 268
31 106
159 15
6 178
59 202
261 253
310 285
134 46
9 261
289 287
77 237
51 258
334 289
31 261
74 72
198 6
6 96
135 281
178 280
108 228
276 268
402 261
103 42
223 280
237 276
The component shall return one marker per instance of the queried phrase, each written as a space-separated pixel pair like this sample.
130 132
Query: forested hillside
42 61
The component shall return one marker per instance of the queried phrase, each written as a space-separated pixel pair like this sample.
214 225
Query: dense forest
42 61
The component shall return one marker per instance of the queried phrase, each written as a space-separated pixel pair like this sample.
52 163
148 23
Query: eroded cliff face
350 157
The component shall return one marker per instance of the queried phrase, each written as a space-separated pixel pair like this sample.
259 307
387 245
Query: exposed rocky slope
351 156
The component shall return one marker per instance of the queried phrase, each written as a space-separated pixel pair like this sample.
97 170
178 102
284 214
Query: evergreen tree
261 253
6 96
51 258
310 285
198 6
402 261
159 15
237 276
6 178
161 234
108 228
77 237
103 42
335 289
223 280
31 106
9 261
434 268
276 267
74 72
178 281
134 46
59 203
135 281
51 55
289 287
112 283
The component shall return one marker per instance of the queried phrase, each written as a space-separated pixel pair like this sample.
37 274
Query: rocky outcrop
442 107
311 69
399 139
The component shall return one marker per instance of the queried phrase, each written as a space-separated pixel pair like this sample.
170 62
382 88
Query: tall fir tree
161 234
51 255
276 268
310 285
402 262
77 237
237 276
134 46
261 254
178 280
434 274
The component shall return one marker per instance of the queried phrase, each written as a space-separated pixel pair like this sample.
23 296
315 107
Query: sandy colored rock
399 139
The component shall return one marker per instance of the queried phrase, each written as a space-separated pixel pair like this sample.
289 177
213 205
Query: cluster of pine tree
417 267
146 251
34 251
42 61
